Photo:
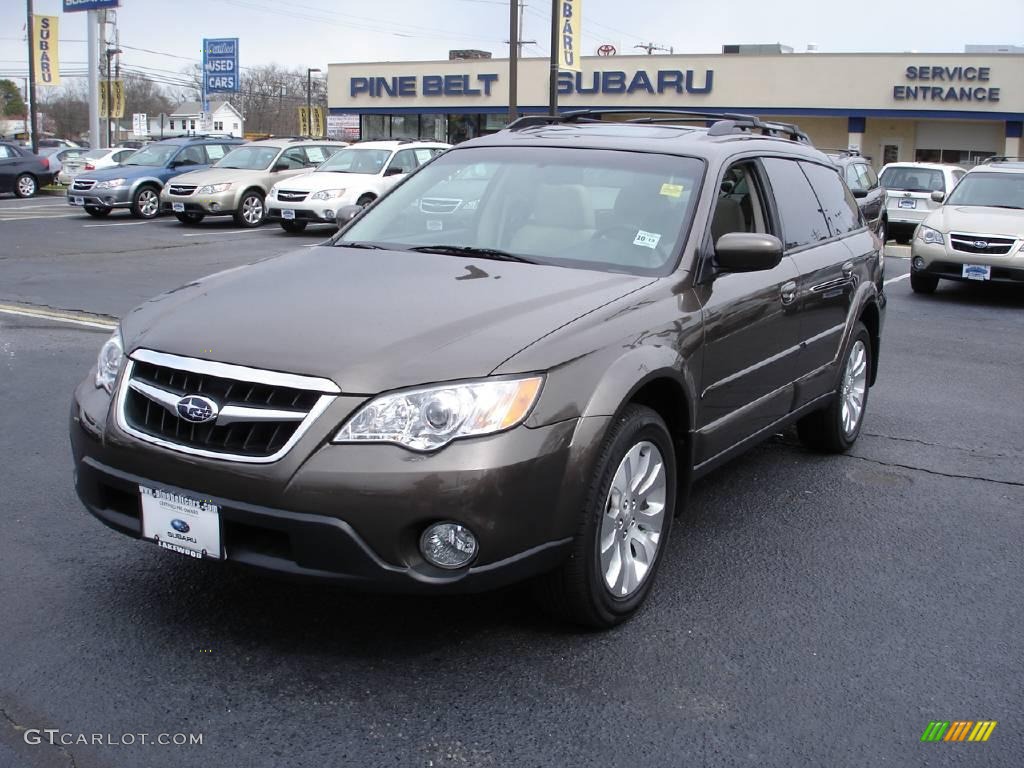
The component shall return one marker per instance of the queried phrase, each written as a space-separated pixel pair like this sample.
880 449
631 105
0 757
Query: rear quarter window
802 220
837 202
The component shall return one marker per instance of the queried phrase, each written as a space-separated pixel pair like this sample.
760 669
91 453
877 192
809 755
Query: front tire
624 526
835 428
293 226
26 185
251 211
366 199
146 203
190 217
922 283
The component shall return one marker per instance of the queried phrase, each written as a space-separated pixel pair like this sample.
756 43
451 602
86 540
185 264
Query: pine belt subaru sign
220 65
89 5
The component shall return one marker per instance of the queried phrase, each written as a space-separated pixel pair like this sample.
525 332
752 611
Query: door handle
788 292
847 269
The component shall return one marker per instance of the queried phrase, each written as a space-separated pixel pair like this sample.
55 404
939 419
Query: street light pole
555 40
30 122
309 98
513 59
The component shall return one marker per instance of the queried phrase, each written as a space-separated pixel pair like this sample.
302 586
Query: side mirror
345 214
859 193
280 167
393 172
747 252
938 196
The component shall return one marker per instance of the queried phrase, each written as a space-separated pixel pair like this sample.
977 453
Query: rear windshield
913 179
995 190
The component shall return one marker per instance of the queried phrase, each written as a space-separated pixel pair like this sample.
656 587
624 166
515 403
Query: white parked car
977 233
357 175
93 160
908 189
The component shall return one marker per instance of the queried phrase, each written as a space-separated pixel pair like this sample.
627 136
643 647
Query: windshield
583 208
249 158
357 161
154 154
997 190
913 179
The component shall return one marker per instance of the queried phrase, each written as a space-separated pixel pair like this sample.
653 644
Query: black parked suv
437 404
862 180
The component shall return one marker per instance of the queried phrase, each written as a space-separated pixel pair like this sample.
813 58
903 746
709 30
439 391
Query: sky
161 37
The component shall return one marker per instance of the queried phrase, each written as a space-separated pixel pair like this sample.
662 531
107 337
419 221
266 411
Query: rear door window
837 202
803 223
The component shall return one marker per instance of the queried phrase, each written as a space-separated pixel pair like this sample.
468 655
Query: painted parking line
118 224
32 207
85 319
229 232
894 279
30 218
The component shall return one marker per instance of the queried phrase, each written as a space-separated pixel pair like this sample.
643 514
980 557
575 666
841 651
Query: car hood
371 320
978 219
220 175
124 172
317 180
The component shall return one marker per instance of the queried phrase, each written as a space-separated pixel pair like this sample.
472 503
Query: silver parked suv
238 184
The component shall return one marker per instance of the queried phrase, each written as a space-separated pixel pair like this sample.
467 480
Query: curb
50 192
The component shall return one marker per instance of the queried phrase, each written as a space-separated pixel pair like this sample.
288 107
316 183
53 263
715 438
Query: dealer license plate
977 272
905 203
78 201
287 213
183 524
178 207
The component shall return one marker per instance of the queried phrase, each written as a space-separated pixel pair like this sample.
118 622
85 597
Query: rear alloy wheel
26 185
293 226
99 213
883 231
923 283
190 217
836 428
624 526
146 204
251 211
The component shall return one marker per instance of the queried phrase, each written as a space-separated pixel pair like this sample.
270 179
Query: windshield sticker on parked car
672 190
646 239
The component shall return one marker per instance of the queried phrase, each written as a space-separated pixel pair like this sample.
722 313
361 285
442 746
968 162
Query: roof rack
848 152
721 123
1001 159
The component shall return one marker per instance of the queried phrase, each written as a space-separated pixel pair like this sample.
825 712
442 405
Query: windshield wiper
360 244
465 250
1011 207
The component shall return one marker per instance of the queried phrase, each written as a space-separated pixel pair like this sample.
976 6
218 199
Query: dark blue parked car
136 185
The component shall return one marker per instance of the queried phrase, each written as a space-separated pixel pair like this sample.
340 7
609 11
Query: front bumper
353 514
118 197
946 262
219 204
312 212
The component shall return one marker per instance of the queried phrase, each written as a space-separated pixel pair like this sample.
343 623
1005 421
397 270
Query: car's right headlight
327 194
112 184
429 418
929 236
109 362
212 189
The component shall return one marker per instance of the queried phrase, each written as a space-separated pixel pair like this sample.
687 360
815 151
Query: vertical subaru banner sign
220 65
570 21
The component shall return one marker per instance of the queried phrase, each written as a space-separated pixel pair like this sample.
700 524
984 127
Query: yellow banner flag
570 22
115 109
317 131
44 41
303 122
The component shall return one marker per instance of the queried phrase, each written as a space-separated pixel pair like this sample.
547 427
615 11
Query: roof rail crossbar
1001 159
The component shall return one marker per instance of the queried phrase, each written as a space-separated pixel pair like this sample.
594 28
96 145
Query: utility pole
92 23
556 37
31 122
513 60
651 48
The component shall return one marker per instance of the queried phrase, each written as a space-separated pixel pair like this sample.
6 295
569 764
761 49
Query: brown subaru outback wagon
473 384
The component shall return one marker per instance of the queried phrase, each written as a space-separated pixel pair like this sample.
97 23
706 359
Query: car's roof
659 138
283 142
199 140
999 167
400 144
928 166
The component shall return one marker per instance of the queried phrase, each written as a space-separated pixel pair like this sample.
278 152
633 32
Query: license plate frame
908 204
178 207
976 272
181 522
77 200
288 214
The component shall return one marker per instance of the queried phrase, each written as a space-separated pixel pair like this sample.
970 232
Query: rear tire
26 185
618 527
98 213
293 226
190 217
922 283
835 428
146 203
366 199
883 231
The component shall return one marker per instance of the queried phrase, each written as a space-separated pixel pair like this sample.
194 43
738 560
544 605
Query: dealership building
955 108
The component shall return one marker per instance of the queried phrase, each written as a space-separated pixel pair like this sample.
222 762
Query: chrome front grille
259 415
983 244
182 190
291 196
440 205
83 185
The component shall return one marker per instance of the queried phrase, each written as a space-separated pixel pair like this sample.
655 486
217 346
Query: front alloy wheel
25 185
250 211
146 204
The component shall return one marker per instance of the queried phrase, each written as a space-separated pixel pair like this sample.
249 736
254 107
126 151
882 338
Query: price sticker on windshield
646 239
672 190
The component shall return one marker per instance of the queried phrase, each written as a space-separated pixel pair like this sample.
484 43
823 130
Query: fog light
216 206
328 214
448 545
918 262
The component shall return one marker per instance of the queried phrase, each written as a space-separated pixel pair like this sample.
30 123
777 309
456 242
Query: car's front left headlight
212 189
929 236
109 362
431 417
111 184
327 194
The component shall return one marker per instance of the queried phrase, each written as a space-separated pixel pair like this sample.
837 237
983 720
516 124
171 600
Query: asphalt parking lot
812 611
